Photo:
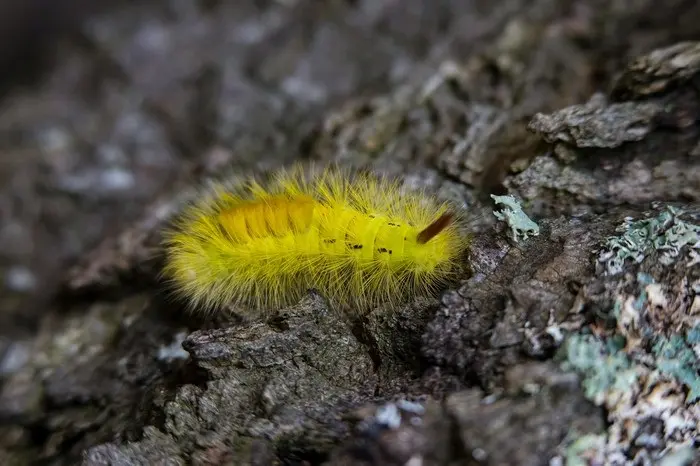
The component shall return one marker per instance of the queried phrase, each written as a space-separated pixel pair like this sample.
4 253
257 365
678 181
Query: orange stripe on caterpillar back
276 216
360 241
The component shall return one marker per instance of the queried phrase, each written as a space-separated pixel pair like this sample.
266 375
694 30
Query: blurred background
35 240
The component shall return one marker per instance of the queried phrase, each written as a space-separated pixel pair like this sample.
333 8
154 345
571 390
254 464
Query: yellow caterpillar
359 240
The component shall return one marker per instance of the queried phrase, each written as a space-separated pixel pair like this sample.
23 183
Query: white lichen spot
410 406
389 416
20 279
174 350
479 454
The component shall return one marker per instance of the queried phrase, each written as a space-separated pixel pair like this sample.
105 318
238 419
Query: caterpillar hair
361 240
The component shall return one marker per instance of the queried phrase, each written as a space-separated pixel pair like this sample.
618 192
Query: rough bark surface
575 346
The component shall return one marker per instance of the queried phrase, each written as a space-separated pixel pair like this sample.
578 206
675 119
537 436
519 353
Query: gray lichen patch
666 234
649 413
641 360
633 363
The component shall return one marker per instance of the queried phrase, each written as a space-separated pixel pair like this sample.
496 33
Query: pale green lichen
637 366
665 233
693 337
605 369
676 359
632 387
518 221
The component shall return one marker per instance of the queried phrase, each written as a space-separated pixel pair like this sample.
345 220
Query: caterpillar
358 239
